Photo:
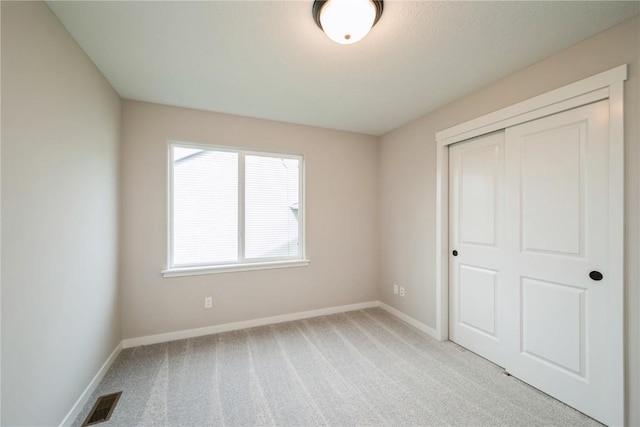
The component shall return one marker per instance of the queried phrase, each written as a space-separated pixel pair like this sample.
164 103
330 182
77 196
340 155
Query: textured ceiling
268 59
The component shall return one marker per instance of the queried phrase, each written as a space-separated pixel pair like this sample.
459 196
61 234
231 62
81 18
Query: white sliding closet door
557 257
529 285
477 237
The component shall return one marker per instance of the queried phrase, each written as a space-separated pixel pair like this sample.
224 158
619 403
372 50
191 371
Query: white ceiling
268 59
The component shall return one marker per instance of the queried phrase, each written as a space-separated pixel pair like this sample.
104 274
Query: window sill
230 268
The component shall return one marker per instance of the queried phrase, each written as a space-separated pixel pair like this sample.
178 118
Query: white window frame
242 263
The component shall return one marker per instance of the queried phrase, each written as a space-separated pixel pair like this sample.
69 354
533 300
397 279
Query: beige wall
60 135
370 211
407 178
341 229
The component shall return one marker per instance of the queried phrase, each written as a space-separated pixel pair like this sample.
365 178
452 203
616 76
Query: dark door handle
455 253
596 275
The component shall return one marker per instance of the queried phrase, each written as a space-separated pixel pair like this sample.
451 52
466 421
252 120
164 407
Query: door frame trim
606 85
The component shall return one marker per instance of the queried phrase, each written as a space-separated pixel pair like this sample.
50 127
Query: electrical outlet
402 291
395 289
208 302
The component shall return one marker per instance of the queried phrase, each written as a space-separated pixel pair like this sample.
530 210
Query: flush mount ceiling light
346 21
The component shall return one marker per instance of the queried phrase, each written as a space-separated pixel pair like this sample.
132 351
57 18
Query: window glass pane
205 206
271 207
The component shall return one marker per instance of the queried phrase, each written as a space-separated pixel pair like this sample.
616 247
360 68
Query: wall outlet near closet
402 291
208 302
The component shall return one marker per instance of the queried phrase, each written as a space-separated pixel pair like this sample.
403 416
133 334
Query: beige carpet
360 368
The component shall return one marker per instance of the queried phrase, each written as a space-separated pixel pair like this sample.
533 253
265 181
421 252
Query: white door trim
512 114
606 85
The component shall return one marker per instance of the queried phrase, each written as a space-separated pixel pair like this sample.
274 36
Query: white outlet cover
395 289
401 291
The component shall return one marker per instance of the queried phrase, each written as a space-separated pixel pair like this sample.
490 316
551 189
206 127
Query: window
232 209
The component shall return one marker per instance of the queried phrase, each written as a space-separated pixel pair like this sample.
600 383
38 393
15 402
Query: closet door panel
557 202
477 186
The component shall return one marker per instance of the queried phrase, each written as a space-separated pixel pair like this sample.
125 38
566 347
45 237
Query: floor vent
102 409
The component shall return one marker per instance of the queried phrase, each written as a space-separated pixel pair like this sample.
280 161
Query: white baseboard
410 320
216 329
75 410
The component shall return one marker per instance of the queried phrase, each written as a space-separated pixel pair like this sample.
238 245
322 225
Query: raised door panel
478 302
553 325
477 195
553 175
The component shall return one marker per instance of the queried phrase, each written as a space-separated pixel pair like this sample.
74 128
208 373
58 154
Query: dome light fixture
346 21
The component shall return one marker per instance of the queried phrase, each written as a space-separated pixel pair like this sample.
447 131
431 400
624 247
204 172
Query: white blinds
207 221
205 206
271 207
